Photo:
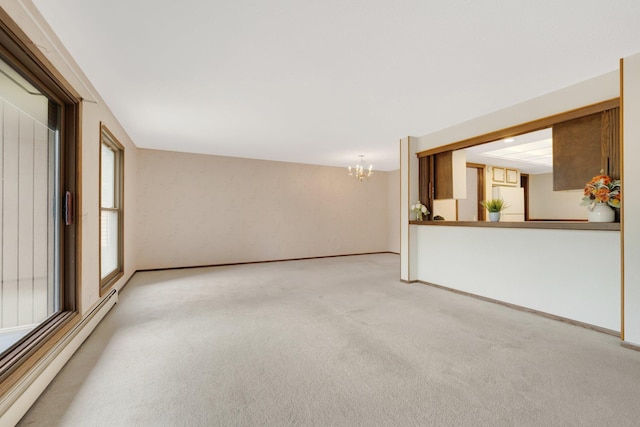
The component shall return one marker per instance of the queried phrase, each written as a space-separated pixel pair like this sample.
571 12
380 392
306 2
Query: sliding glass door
30 204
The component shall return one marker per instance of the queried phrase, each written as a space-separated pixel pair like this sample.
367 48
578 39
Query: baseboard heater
19 399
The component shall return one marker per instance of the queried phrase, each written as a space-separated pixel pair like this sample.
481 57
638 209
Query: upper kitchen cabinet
450 170
583 146
442 176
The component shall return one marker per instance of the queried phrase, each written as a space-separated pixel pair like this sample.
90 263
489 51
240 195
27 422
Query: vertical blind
28 204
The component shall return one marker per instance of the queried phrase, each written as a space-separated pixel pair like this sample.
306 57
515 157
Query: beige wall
94 110
554 283
597 89
196 209
186 209
446 208
631 199
203 210
394 211
92 116
544 203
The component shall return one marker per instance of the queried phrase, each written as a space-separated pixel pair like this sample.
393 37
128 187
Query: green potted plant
494 206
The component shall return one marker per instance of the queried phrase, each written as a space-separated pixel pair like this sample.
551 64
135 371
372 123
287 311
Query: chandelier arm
360 171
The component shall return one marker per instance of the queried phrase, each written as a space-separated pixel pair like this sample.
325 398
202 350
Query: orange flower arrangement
602 189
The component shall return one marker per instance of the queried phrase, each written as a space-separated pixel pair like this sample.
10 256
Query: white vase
494 216
601 212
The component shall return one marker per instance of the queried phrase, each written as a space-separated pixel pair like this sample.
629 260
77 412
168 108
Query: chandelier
359 172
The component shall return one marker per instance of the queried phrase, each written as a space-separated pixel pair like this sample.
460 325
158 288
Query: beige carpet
336 341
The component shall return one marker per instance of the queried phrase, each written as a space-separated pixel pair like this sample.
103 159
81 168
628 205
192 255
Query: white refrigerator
514 199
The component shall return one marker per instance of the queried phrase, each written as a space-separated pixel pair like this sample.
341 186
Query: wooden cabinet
584 146
450 175
443 171
442 176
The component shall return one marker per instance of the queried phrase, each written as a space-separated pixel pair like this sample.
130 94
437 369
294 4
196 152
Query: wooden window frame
19 51
107 138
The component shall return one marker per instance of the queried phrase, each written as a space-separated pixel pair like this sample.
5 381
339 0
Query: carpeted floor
337 341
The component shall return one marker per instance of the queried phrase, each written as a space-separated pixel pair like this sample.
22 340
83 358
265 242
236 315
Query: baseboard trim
630 346
126 283
20 398
528 310
408 282
260 262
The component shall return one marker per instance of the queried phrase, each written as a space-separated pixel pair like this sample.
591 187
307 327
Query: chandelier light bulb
359 172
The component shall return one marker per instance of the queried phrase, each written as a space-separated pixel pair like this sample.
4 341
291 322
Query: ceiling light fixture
359 172
509 140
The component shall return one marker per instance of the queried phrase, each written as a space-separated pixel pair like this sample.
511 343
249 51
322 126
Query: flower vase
601 212
419 216
494 216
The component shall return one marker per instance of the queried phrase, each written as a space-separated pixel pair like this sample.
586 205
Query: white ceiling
530 153
324 81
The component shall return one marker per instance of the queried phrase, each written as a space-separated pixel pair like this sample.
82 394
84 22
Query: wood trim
111 279
524 183
30 344
16 48
558 220
475 165
24 56
622 282
79 218
408 210
610 143
112 137
424 183
400 223
443 175
481 190
542 225
526 309
531 126
480 187
70 178
495 177
260 262
45 70
126 283
630 346
67 321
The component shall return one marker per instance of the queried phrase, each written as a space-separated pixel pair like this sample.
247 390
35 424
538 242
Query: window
111 204
38 136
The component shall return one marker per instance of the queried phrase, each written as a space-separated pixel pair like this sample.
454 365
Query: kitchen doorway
469 209
524 183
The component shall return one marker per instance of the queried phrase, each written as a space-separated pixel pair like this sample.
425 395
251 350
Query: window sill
549 225
107 283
